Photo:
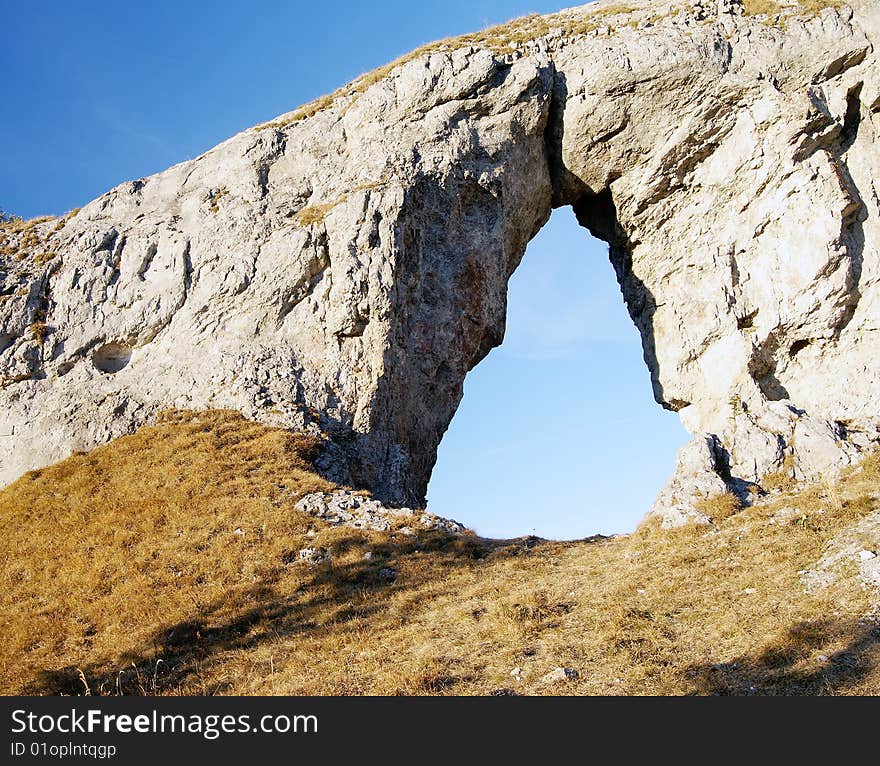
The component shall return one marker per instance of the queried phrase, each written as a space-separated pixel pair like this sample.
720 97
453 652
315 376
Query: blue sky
558 434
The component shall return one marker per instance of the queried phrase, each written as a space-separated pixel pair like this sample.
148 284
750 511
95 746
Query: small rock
313 556
368 555
560 674
750 591
516 672
387 574
238 531
362 512
867 555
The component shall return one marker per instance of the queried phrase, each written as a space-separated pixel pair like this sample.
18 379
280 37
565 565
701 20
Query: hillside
167 562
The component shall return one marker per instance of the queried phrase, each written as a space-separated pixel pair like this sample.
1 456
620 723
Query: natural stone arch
354 267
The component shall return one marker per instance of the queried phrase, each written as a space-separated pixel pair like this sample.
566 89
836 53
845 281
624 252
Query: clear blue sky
558 434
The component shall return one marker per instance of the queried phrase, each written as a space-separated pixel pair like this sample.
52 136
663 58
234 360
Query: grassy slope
123 571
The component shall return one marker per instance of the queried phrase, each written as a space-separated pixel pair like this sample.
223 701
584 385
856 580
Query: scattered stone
238 531
314 556
516 672
560 674
387 574
847 546
368 556
345 507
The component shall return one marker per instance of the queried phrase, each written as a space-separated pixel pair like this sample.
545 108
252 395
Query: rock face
342 269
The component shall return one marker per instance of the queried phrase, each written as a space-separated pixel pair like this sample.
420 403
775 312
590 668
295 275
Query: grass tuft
719 507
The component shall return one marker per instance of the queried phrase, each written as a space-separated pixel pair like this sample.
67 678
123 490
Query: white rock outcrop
342 273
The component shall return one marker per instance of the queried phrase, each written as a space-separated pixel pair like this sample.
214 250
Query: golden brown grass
756 7
20 238
500 39
782 480
505 38
719 507
778 12
316 213
165 562
816 6
216 197
40 331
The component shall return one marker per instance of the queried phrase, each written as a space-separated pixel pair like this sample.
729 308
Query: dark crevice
797 347
762 368
598 214
6 340
566 186
852 120
746 321
853 235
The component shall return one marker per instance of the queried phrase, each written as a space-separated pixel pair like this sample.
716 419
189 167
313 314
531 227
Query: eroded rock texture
343 272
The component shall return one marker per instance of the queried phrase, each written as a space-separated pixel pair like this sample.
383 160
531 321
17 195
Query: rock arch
342 268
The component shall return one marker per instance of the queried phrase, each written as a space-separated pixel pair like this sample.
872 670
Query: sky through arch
558 433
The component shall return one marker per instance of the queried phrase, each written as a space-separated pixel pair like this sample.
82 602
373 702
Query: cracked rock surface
342 273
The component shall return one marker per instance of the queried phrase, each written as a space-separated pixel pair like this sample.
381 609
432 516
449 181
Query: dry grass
165 562
757 7
20 238
215 199
315 213
777 12
500 39
782 480
40 330
817 6
506 38
719 507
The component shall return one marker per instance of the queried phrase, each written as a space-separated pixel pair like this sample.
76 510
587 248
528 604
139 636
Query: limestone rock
341 272
344 507
315 556
557 675
844 551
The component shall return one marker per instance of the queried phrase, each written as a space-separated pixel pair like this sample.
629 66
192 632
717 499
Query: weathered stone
387 574
560 674
846 548
341 274
344 507
315 556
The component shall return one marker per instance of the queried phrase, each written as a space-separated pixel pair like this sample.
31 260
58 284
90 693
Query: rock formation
341 269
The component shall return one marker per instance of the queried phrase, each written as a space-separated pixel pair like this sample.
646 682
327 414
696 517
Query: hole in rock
558 433
111 357
797 347
6 341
